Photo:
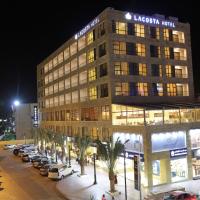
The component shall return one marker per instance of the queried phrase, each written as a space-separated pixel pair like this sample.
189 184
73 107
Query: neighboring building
26 118
127 75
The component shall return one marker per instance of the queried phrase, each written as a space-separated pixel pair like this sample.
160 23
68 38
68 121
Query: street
21 181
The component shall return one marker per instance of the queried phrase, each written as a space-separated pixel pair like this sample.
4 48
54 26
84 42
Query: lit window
66 53
121 89
74 64
61 85
105 112
121 68
83 94
61 100
46 68
142 69
171 89
181 71
60 72
169 71
75 97
50 64
140 49
55 61
60 57
167 34
178 36
67 83
55 75
119 47
139 30
51 89
83 77
56 101
46 80
91 56
157 89
73 48
81 43
142 89
68 98
182 89
67 68
55 87
180 54
90 37
93 93
74 80
92 74
82 60
46 91
121 28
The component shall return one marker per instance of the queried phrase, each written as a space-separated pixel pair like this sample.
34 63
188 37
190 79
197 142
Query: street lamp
95 175
16 103
125 174
69 152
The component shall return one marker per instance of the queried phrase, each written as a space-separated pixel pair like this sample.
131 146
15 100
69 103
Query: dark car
44 170
179 195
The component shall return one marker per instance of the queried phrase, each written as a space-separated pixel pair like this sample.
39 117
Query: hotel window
156 70
139 30
101 29
121 28
157 89
93 93
102 49
89 114
67 68
121 68
74 80
55 88
75 115
182 89
55 75
178 36
131 48
180 54
119 47
61 100
171 89
142 89
92 74
170 71
142 69
66 53
140 49
46 68
61 85
91 55
169 52
104 90
46 91
56 101
155 51
60 72
154 33
167 34
68 98
67 83
75 97
50 65
82 60
90 37
55 61
105 112
46 80
73 48
47 103
181 71
103 70
51 102
81 43
67 115
60 57
83 94
121 89
83 77
74 64
51 89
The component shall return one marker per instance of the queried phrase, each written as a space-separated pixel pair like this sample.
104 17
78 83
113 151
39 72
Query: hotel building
128 75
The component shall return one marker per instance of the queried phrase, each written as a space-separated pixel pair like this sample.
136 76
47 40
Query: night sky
31 31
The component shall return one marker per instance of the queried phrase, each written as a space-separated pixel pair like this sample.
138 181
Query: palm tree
82 144
60 140
109 152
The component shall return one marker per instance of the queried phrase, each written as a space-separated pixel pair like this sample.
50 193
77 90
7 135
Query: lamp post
125 175
69 149
95 175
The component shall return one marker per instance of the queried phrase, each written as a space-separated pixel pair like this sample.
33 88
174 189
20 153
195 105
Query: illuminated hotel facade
127 75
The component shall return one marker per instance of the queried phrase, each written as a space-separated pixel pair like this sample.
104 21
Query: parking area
22 181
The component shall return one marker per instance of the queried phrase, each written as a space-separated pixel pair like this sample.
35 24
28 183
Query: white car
9 146
60 171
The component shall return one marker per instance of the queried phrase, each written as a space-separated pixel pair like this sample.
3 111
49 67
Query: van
60 171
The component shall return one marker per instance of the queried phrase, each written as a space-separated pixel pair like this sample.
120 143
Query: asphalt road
23 182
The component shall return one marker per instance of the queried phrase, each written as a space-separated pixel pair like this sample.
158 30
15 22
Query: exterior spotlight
16 103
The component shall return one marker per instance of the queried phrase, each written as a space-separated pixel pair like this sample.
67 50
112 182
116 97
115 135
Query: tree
109 152
82 144
60 140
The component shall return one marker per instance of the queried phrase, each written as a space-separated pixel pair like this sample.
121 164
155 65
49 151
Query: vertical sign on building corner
136 172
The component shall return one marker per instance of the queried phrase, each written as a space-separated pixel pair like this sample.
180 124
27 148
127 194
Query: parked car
37 161
9 146
44 170
60 171
179 195
27 157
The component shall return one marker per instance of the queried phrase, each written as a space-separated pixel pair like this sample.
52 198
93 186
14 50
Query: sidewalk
75 187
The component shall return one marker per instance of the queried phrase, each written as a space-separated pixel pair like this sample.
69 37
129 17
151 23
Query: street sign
136 172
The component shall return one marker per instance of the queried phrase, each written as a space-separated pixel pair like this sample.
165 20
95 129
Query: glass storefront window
179 169
195 138
172 116
154 117
187 115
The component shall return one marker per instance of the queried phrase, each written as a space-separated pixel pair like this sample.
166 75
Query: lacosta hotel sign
149 20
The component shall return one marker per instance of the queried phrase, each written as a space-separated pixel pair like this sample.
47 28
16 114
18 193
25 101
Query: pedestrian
103 197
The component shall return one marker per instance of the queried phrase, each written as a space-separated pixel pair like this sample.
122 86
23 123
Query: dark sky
31 30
